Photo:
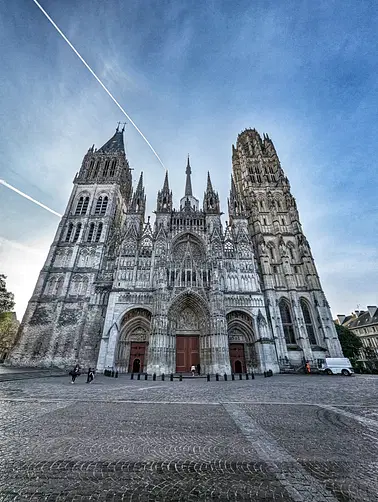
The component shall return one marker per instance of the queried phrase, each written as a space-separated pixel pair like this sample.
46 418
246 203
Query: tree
8 331
6 298
350 343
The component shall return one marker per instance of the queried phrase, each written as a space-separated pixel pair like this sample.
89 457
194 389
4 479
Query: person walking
90 375
198 369
193 369
308 368
75 373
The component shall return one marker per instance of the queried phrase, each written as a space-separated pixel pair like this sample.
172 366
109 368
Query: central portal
187 353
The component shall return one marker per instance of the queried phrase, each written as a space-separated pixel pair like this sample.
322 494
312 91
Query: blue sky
193 75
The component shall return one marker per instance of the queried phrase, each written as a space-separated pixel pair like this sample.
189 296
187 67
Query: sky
192 75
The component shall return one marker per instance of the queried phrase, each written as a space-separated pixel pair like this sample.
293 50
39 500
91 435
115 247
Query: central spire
188 184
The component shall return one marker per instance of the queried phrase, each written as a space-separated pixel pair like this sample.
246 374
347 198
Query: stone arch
134 334
308 320
241 340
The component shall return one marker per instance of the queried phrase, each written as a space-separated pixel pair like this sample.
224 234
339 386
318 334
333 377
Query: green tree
6 298
350 343
8 331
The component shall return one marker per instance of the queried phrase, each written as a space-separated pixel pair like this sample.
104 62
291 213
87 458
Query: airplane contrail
98 80
2 182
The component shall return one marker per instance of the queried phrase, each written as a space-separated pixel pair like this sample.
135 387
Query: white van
337 366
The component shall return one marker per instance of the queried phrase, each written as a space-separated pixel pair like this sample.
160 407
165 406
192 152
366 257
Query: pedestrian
198 368
75 373
193 369
90 375
308 368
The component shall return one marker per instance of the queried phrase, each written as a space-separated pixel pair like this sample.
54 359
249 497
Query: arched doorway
243 355
131 351
188 322
238 367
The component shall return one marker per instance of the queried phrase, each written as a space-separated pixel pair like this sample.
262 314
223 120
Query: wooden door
137 353
237 358
187 353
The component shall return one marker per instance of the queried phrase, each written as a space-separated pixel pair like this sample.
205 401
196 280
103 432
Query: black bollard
138 376
217 377
180 378
208 377
253 375
145 376
246 376
154 377
225 377
171 377
132 376
116 374
162 377
270 373
232 376
240 376
264 374
112 373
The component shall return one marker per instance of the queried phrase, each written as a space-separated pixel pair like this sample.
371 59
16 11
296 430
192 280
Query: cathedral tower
65 315
298 312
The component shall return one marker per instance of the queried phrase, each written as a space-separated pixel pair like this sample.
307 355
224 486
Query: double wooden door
237 358
137 355
187 353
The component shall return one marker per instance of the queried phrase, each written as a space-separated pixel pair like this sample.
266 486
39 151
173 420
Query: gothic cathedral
117 291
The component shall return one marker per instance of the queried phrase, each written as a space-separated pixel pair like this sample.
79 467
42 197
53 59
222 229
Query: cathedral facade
117 291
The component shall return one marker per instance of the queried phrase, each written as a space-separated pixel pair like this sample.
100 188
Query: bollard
154 377
217 377
132 376
180 378
246 376
116 374
138 376
225 377
162 377
171 377
112 373
270 373
240 376
253 375
264 374
232 376
145 376
208 377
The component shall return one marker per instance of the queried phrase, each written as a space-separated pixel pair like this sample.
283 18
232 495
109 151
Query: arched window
59 286
106 168
98 205
90 232
90 169
79 206
271 251
112 167
308 322
77 232
287 322
99 232
85 205
95 172
69 232
104 205
291 252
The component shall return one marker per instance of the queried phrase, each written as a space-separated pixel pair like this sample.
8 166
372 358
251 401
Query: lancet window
287 322
308 322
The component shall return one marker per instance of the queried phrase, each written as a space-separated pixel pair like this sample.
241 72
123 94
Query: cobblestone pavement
290 438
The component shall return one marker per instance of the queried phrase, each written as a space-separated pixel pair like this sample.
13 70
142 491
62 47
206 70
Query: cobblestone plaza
291 438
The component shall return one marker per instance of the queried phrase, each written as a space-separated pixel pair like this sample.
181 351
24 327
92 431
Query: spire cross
119 124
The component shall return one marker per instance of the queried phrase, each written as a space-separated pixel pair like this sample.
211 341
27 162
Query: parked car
337 366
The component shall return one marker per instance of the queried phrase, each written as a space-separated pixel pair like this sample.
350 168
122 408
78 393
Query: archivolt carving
188 320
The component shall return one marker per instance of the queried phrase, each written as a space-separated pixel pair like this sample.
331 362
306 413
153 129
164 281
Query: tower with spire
120 291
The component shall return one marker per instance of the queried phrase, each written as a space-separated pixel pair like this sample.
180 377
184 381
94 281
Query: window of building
291 253
95 172
90 232
85 205
258 176
69 232
113 167
271 251
79 206
282 221
308 322
287 322
104 205
106 167
99 232
90 169
77 232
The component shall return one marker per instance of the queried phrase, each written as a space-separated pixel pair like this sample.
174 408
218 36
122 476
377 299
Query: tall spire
115 143
209 184
211 198
188 184
166 184
164 197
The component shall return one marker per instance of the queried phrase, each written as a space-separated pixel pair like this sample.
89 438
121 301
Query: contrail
98 80
2 182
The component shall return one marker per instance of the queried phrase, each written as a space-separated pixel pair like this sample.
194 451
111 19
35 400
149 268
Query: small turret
164 197
211 198
236 207
138 201
188 202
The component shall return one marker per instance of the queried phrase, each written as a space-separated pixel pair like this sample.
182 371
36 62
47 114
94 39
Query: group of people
77 372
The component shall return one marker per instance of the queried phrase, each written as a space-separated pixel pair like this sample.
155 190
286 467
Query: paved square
300 438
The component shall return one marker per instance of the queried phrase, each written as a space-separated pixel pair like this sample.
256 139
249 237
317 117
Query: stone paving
290 438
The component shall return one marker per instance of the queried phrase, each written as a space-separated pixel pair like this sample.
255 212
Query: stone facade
118 291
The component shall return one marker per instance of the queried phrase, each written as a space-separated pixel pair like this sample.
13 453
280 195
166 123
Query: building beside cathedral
142 296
